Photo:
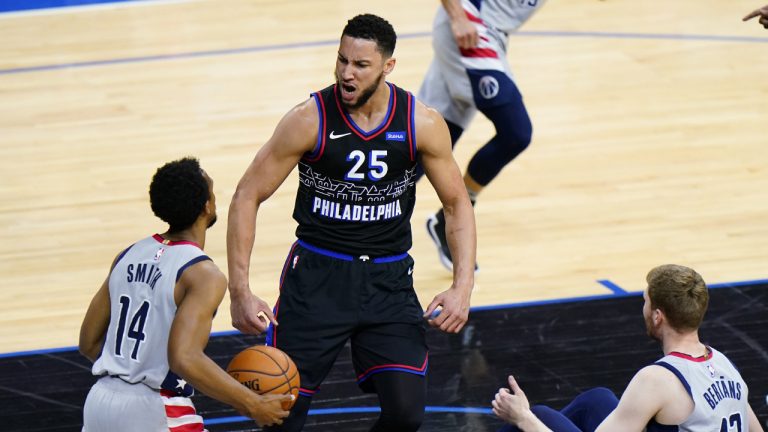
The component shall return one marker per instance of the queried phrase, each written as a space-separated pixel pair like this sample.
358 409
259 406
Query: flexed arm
199 293
434 144
295 135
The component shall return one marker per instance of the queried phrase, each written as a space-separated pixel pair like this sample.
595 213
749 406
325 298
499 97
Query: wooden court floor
649 142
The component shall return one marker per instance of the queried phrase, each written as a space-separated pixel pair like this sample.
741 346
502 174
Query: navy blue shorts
327 298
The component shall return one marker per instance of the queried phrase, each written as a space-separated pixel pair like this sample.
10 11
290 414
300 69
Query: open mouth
347 91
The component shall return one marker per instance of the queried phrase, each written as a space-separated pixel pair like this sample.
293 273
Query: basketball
266 370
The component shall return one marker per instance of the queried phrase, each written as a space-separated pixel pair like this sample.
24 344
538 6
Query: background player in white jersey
152 317
470 72
693 388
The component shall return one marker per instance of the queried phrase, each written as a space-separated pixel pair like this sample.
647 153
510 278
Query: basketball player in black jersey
349 275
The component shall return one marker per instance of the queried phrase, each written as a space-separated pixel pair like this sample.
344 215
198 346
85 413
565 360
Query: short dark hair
680 293
178 193
374 28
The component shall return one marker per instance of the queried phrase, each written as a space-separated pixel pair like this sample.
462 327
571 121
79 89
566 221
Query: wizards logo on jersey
395 136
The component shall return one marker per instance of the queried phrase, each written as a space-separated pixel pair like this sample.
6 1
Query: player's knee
515 136
600 395
543 412
514 129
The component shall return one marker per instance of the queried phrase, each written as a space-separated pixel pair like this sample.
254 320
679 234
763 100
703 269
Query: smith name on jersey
356 188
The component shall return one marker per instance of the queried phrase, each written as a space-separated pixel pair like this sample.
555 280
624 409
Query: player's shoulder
304 113
204 271
427 117
656 375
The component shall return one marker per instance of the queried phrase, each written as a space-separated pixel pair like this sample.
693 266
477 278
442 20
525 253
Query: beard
213 220
649 328
365 93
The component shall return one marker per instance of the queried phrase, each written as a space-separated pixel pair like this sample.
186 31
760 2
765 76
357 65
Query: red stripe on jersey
411 137
322 122
164 241
684 356
382 128
478 52
399 366
473 18
190 427
174 411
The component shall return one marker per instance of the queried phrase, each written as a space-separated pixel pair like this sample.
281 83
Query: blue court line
37 352
738 284
472 309
25 5
309 44
355 410
612 286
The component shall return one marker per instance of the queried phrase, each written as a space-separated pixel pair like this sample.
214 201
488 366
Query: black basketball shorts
327 298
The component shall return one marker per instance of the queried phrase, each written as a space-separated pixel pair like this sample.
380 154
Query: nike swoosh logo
334 136
410 271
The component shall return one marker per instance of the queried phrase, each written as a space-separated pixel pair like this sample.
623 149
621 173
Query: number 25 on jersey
377 168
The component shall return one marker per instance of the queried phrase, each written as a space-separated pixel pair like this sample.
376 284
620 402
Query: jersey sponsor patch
395 136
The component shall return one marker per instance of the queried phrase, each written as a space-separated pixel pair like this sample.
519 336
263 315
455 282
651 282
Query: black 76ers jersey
356 188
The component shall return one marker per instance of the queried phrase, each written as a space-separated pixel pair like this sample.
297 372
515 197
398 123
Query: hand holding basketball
266 370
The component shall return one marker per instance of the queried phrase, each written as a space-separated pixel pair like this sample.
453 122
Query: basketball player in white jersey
693 388
470 73
148 324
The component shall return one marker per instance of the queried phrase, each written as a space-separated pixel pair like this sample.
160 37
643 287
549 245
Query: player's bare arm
96 321
295 135
198 293
463 30
636 408
434 144
754 423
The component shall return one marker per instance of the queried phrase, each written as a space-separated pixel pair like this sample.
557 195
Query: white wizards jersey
719 393
141 292
506 15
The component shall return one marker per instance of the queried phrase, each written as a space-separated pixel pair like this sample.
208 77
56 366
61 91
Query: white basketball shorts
459 81
117 406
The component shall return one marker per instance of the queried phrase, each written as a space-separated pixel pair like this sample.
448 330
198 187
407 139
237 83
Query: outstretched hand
762 13
250 314
511 405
